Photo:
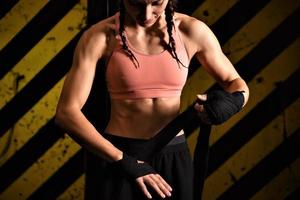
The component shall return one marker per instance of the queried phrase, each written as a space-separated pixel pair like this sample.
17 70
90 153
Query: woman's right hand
156 182
144 175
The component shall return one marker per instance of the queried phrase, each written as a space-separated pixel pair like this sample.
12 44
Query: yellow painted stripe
212 10
39 172
43 52
286 182
17 18
75 191
31 122
255 150
241 43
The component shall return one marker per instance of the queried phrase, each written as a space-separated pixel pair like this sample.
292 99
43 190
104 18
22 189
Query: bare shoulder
190 25
94 42
195 31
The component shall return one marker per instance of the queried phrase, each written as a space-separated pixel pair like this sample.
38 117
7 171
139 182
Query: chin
146 25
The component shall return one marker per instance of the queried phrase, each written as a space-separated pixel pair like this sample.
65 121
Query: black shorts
173 163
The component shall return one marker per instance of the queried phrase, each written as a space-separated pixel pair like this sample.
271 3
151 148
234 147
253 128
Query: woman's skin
145 26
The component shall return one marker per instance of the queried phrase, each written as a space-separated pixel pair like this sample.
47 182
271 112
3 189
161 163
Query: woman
147 47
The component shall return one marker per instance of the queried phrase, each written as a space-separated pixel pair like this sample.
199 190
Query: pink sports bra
158 75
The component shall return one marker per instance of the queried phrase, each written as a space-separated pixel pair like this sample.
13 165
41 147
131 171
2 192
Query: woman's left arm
208 52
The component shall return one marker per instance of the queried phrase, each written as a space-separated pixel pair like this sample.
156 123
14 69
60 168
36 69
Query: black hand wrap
221 105
132 168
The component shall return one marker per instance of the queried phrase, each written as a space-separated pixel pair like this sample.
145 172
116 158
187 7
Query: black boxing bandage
130 166
221 105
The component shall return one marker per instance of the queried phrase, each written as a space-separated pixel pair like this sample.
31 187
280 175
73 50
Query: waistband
136 141
136 147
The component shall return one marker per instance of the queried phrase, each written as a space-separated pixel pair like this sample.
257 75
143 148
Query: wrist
221 105
134 169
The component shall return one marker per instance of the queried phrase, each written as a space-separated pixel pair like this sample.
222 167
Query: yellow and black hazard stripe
255 155
270 65
37 44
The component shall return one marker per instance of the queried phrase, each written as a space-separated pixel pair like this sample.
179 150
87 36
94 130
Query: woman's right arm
75 92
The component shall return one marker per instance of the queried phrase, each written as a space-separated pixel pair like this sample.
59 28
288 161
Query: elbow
64 114
61 115
58 117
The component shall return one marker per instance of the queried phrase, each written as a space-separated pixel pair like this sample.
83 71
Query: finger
162 184
202 97
150 181
143 187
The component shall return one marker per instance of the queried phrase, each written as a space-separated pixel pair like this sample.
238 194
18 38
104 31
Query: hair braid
170 24
123 38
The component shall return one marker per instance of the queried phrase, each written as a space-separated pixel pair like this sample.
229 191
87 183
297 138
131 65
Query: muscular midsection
141 118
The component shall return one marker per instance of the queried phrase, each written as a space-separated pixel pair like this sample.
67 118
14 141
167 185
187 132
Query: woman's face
145 12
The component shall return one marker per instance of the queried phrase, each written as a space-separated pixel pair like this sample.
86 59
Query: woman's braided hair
123 38
169 12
